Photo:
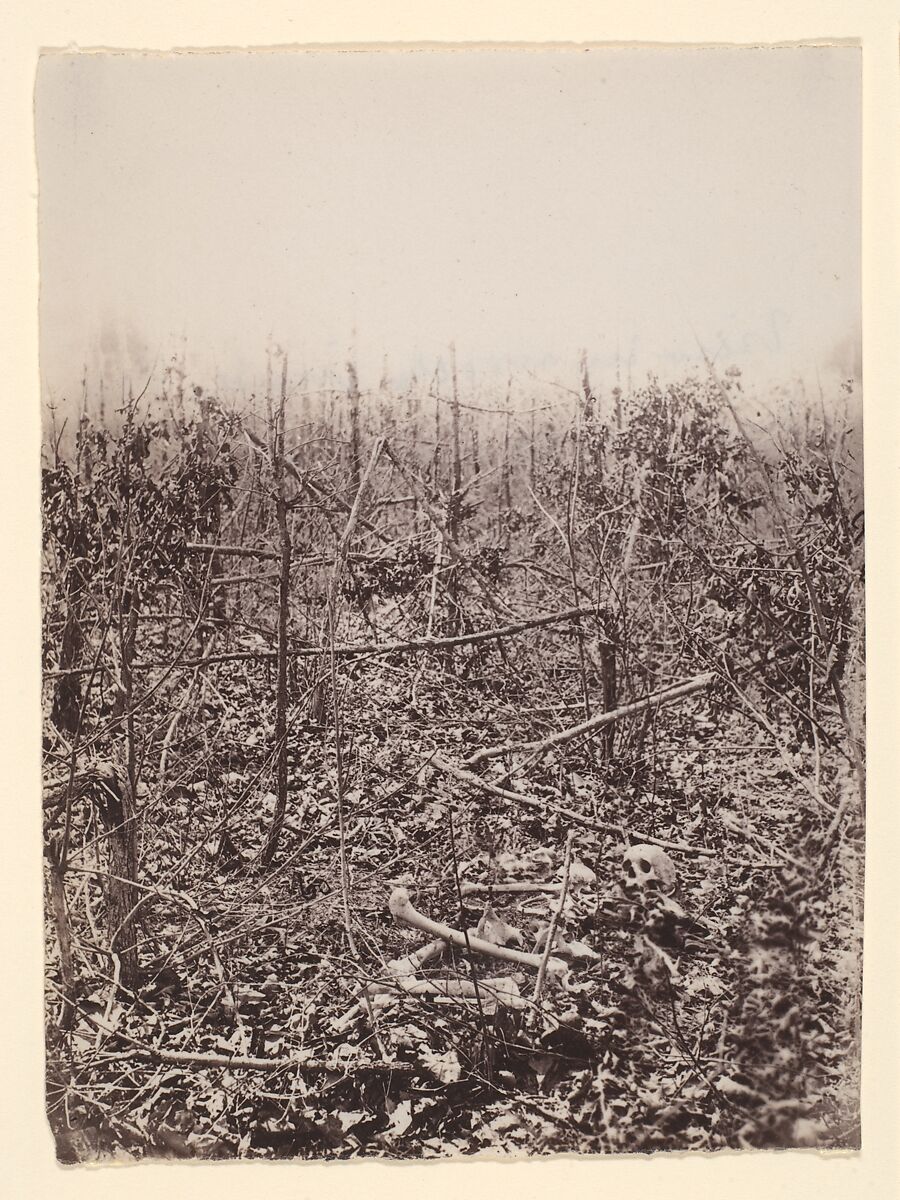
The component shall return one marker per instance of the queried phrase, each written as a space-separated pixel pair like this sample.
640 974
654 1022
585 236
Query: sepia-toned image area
452 601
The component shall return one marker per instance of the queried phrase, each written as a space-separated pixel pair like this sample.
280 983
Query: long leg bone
402 910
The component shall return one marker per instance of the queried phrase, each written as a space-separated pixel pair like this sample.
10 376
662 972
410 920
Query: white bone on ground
402 910
646 866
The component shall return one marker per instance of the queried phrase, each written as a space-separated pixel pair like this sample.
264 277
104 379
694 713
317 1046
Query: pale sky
522 204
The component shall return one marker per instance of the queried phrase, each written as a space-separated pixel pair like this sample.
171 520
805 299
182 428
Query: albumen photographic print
452 596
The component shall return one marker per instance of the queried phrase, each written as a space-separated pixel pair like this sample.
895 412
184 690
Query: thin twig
551 932
334 586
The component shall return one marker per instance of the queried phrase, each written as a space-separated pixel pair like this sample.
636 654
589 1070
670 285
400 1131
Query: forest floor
723 1015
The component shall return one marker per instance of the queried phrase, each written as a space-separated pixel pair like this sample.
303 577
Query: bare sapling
284 596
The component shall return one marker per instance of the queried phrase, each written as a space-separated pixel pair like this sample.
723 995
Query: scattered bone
580 876
526 864
401 967
492 928
562 948
473 889
491 994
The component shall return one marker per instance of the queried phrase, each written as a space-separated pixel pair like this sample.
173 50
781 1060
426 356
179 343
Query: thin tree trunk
531 461
586 385
340 560
119 818
436 456
571 509
63 937
505 489
284 587
212 515
453 516
609 683
353 396
66 714
127 629
413 410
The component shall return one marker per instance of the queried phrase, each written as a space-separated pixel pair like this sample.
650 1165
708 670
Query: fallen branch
309 1066
375 648
402 910
233 551
238 1061
442 764
252 577
658 699
312 560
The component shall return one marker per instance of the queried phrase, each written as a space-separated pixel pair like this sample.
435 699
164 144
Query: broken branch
658 699
373 648
310 1066
449 768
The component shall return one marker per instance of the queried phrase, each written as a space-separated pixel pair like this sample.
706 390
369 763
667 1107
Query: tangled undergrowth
724 1015
486 780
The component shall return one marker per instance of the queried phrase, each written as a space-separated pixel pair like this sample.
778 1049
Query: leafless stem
551 932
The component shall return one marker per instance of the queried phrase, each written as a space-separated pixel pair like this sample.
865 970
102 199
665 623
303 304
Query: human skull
647 868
